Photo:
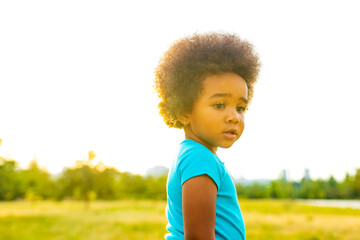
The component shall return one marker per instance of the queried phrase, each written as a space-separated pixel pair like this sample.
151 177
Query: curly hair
188 61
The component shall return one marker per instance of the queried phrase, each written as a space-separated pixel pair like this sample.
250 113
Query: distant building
284 175
246 182
157 171
307 174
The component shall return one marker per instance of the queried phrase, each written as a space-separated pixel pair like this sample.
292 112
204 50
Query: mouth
230 133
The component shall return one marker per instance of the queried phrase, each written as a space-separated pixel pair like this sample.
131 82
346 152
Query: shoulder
195 159
192 149
192 152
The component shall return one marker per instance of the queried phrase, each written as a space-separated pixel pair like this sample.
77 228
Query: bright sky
77 76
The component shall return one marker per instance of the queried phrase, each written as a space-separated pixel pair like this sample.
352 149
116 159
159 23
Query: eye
219 105
240 109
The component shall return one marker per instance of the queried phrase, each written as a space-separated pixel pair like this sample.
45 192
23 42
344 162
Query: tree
356 184
156 187
91 156
345 187
106 182
79 181
36 183
132 186
9 183
332 189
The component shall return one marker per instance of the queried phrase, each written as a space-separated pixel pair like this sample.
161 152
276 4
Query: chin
227 145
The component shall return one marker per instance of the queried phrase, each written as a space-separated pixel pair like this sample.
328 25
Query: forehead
229 83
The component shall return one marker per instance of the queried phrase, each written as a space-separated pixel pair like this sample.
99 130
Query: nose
232 116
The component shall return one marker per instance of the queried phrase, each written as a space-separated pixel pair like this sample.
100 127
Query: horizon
307 172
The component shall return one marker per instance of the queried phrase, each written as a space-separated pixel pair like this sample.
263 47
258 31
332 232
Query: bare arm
199 208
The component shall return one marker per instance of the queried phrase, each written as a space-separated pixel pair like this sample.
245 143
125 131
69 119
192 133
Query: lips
231 131
230 134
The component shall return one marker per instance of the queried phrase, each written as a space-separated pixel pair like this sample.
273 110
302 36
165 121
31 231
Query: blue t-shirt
195 159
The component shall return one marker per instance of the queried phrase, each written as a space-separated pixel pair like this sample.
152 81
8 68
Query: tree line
307 188
83 181
86 181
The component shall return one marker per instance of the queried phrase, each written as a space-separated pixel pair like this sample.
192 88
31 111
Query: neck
189 135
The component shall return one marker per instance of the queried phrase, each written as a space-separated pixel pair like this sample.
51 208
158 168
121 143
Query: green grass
279 219
264 219
70 220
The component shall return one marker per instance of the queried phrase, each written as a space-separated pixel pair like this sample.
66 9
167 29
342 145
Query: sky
77 76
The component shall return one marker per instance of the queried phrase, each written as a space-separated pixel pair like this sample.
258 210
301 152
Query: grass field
264 219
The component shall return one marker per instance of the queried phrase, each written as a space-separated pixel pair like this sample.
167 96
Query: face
217 118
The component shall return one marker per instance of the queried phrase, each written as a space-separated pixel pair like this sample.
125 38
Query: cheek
242 116
241 126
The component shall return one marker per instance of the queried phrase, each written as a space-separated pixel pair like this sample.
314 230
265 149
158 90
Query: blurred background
79 117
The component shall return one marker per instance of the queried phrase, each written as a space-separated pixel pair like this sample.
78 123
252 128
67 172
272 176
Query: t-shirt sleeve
196 162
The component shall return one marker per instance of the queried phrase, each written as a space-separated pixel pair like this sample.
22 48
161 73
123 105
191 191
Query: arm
199 208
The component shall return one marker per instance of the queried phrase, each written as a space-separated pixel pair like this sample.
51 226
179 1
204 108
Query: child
205 83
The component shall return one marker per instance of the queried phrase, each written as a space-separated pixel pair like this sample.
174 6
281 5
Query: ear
184 119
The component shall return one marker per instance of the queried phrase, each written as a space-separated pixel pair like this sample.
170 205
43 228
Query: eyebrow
227 95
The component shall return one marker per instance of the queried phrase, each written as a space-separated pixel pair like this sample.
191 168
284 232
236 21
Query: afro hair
188 61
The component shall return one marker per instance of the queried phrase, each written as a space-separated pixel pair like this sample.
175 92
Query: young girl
205 83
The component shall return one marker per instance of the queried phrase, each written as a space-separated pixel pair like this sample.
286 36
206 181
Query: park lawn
145 219
279 219
71 220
